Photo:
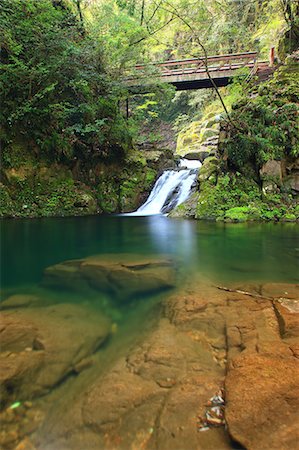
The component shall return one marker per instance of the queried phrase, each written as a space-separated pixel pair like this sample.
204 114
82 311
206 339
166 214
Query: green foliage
54 90
267 123
241 214
6 204
231 191
238 199
35 196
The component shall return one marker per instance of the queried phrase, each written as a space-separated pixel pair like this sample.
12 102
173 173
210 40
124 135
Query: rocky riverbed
72 379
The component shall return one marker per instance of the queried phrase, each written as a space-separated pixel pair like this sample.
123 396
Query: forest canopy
63 61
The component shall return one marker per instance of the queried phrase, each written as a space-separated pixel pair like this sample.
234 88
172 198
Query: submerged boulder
122 276
21 301
41 346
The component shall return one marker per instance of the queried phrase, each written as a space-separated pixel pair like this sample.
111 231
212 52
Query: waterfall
171 189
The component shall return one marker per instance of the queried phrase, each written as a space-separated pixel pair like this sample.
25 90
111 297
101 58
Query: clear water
226 252
217 252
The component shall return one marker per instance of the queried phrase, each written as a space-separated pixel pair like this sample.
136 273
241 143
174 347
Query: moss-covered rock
289 218
187 209
231 191
256 176
264 126
38 188
237 199
241 214
6 203
33 198
198 138
209 169
289 41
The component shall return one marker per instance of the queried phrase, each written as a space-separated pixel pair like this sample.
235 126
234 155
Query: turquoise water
224 252
216 252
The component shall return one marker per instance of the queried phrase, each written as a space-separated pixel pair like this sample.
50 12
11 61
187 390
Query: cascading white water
171 189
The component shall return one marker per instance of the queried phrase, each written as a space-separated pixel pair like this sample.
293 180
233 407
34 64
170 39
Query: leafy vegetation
267 123
63 88
55 91
236 198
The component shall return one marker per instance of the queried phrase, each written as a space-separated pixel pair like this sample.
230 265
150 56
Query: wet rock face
155 393
292 181
151 398
121 276
41 346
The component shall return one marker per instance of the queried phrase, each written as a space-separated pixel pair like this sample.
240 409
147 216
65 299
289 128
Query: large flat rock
152 395
41 346
155 393
262 383
263 401
122 276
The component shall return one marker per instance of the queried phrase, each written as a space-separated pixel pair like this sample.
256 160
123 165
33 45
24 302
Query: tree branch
175 12
151 33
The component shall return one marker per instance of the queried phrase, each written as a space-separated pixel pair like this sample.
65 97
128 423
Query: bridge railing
193 65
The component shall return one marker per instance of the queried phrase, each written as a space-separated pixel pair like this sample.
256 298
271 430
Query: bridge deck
192 73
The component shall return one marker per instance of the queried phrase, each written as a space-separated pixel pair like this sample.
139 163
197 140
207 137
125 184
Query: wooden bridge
193 74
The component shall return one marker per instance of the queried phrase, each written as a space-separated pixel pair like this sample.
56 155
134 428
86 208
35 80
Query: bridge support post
271 56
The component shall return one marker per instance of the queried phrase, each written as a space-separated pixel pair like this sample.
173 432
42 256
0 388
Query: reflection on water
221 251
175 237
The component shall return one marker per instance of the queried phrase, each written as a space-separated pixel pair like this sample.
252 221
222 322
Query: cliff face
35 187
254 174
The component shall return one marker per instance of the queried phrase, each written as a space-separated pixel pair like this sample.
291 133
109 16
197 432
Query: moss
289 218
267 123
209 169
32 198
241 214
40 188
133 188
6 204
16 154
186 209
289 42
231 191
118 191
207 133
150 177
237 199
108 197
34 189
195 134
